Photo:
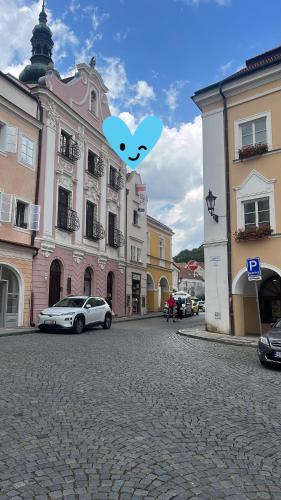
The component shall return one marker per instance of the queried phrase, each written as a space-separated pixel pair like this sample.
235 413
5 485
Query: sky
153 55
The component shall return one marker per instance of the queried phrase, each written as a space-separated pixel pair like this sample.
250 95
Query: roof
156 222
185 273
254 64
21 86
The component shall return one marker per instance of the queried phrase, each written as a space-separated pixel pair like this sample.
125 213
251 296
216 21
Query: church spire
42 48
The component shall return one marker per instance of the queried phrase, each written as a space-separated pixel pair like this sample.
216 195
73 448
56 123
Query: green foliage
194 254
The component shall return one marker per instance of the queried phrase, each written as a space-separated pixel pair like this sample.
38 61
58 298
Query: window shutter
11 139
34 217
5 207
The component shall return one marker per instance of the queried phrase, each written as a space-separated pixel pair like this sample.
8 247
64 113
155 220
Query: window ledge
66 158
268 153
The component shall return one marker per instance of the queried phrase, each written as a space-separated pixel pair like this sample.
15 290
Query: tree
194 254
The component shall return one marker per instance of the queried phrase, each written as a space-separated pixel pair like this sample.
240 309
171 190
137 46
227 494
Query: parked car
195 307
201 305
269 345
186 304
75 313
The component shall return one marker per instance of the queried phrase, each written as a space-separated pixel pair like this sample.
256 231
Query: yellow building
159 264
241 156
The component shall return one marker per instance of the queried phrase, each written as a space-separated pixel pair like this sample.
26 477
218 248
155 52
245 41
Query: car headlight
264 340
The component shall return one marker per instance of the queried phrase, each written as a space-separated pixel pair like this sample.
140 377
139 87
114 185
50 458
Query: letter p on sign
254 268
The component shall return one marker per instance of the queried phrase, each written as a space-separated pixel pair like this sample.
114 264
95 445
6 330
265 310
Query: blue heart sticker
132 148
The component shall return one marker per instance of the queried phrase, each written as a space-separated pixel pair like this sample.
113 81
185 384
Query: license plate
52 322
277 354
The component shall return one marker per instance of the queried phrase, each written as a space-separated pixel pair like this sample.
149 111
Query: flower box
253 150
258 233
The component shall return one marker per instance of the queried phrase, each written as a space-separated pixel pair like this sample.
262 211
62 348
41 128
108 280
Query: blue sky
153 54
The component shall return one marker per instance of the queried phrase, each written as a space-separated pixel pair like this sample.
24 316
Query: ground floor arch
11 296
244 300
163 291
55 282
150 292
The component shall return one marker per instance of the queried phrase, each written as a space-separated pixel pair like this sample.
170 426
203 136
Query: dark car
269 346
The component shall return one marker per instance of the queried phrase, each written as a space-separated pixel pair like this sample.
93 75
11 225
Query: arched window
88 281
55 282
93 102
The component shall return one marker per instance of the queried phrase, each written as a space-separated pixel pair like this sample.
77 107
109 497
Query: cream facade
136 249
242 152
19 212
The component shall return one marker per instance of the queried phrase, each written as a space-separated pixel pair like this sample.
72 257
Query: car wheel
107 322
43 330
263 363
78 325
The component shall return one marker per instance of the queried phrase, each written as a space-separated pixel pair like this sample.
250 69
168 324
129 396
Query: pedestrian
171 307
179 308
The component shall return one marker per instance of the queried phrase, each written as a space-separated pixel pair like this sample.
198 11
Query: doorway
55 283
136 293
3 302
109 289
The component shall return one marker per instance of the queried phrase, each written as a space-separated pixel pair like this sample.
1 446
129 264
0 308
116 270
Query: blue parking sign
254 269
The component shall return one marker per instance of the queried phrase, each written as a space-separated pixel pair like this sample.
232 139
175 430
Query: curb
218 340
13 334
135 318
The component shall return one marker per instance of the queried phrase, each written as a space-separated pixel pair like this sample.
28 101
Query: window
133 253
27 151
93 102
256 213
68 147
21 215
91 210
135 217
253 132
68 285
116 180
64 198
88 281
112 219
2 136
161 248
139 254
92 162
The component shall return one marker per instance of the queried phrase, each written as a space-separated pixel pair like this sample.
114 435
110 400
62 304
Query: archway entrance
244 301
55 282
9 297
150 292
164 291
109 289
88 281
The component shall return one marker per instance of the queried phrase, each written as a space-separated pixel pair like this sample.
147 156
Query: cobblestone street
137 412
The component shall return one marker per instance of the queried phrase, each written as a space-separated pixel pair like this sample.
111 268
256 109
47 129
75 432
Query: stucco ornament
121 266
112 196
81 137
102 262
47 248
93 62
78 256
53 116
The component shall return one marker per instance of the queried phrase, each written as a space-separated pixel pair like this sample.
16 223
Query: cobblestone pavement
137 412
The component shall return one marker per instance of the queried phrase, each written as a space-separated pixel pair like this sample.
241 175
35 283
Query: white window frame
4 137
255 201
255 187
161 247
139 254
26 214
20 158
133 253
238 130
94 113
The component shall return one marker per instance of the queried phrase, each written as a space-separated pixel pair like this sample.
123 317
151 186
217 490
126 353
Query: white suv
75 313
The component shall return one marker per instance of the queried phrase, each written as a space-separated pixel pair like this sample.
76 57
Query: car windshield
71 302
277 324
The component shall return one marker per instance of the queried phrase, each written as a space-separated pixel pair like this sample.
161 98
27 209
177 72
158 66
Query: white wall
215 234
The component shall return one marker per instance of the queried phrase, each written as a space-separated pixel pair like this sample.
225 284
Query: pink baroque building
81 185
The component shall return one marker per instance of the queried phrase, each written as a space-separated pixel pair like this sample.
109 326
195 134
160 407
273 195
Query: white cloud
98 18
222 3
120 36
173 92
144 93
225 67
74 6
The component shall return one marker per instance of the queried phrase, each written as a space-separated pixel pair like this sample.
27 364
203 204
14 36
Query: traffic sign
254 269
192 265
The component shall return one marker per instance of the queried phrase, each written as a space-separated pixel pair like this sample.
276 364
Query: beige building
241 154
19 213
136 247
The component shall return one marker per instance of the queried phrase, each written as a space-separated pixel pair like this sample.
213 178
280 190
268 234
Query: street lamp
211 201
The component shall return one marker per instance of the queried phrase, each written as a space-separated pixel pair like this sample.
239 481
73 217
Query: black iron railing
116 180
95 164
68 219
116 238
95 232
69 148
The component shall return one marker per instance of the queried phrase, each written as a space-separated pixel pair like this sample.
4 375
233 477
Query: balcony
252 150
253 234
116 238
95 232
69 148
95 165
67 219
116 180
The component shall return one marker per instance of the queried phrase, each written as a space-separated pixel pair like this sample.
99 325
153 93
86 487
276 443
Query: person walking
179 308
171 308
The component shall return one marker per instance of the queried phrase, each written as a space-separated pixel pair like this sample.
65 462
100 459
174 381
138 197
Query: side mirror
88 306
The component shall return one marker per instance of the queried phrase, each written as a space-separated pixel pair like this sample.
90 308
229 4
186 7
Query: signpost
192 265
254 274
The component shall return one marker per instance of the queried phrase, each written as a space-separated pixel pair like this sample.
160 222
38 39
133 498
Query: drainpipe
126 244
228 221
33 234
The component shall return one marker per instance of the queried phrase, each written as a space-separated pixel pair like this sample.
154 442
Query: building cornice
20 113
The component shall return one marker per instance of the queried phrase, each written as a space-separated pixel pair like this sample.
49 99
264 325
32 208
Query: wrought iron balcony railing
116 180
95 232
69 148
95 165
68 219
116 238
